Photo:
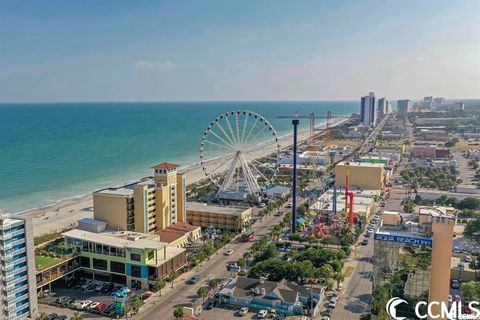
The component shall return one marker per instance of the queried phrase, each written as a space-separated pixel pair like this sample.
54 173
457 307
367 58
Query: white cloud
155 65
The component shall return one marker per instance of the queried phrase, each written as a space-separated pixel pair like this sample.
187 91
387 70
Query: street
185 294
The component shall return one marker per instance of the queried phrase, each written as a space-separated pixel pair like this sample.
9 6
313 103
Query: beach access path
65 214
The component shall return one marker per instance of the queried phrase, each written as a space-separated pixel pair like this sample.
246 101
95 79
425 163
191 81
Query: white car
262 314
467 259
99 287
228 252
243 311
332 304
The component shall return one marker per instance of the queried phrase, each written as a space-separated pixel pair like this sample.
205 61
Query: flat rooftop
361 164
126 190
199 206
116 239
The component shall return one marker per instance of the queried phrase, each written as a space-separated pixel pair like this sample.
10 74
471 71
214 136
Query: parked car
99 287
332 304
455 284
467 259
91 288
364 242
243 311
61 317
228 252
108 287
456 249
262 314
52 316
210 305
194 279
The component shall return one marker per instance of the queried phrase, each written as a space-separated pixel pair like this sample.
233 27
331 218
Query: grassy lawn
43 262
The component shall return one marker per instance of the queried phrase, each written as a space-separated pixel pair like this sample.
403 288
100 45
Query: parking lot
84 295
228 312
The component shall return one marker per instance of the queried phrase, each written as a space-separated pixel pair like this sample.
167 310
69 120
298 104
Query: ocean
53 151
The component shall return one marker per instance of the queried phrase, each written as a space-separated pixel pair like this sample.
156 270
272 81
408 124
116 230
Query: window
117 267
135 256
98 248
85 262
99 264
150 255
136 271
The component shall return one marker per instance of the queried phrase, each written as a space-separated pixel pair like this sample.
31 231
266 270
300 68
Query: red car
101 307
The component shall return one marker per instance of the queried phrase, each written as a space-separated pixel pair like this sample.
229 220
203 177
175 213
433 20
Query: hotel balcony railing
10 235
11 269
20 298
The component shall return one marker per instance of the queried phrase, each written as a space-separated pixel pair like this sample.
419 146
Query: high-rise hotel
17 253
368 111
412 259
146 206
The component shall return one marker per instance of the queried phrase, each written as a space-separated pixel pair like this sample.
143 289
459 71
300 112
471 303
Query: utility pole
295 123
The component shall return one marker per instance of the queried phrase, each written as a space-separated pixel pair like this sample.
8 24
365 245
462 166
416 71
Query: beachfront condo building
146 206
368 111
18 268
412 259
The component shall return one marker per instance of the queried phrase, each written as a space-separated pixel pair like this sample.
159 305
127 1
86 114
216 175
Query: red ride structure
351 195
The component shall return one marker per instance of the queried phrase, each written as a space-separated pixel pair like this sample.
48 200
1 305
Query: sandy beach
64 214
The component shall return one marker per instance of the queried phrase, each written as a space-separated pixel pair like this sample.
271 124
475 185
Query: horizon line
214 101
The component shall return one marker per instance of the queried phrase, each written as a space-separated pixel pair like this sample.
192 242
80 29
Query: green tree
213 283
178 313
326 272
203 292
136 302
472 230
158 285
469 203
242 262
471 291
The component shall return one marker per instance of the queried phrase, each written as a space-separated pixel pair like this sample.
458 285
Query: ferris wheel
240 152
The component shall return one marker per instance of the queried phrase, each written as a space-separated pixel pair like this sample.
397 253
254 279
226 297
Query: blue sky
237 50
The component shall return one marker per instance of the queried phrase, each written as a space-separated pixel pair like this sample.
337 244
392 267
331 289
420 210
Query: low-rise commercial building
363 203
130 258
429 151
229 218
180 234
17 254
283 297
361 175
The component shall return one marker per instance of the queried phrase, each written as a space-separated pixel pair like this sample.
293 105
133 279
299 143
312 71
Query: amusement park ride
227 157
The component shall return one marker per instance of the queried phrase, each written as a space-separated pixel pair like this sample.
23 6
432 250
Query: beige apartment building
146 206
227 218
